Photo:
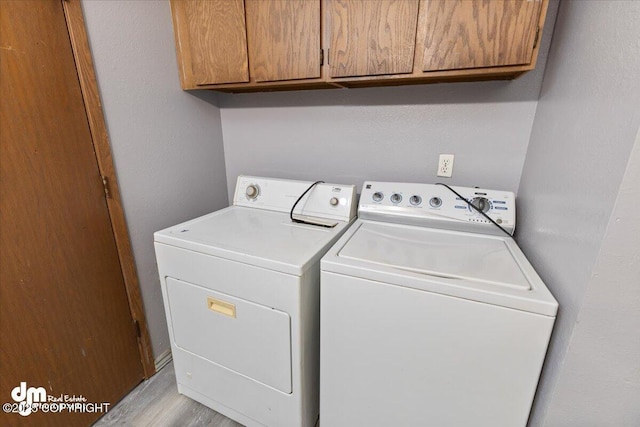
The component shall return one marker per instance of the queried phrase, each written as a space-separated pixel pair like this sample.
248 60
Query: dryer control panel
433 205
330 201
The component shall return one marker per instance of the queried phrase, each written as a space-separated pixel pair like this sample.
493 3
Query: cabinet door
284 39
460 34
215 42
372 37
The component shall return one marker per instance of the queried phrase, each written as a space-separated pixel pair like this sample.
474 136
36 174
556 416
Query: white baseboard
162 360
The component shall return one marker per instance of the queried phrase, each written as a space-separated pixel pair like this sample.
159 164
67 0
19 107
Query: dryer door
242 336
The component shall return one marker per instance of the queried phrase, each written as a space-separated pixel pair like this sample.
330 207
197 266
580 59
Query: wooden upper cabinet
463 34
254 45
211 40
369 38
284 39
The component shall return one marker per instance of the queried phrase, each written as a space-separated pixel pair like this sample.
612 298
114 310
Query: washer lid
259 237
439 253
479 267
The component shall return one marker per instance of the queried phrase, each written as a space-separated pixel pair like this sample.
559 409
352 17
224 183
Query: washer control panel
331 201
437 206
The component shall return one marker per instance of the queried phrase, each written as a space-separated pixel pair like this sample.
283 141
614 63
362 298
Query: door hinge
105 185
321 57
535 40
137 326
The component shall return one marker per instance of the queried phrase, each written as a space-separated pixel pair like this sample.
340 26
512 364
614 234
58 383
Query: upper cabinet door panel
284 39
463 34
372 37
217 40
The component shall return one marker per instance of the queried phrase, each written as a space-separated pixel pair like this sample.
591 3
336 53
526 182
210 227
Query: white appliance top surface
441 253
480 267
260 237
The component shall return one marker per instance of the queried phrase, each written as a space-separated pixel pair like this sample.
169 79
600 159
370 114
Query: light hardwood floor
156 403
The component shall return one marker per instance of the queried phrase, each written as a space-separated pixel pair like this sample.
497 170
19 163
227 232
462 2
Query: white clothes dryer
241 294
430 314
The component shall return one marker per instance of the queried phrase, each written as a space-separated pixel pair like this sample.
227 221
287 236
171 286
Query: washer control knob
378 196
396 198
252 191
435 202
334 201
481 203
415 200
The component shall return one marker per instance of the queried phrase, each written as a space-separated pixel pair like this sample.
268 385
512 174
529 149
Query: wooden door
284 39
461 34
65 322
372 37
212 40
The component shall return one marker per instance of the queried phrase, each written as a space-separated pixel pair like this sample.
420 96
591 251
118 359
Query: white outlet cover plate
445 165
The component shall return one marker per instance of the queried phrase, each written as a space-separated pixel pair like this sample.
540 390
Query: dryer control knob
377 196
396 198
334 201
252 191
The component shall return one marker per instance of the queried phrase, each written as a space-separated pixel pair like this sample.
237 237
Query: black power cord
475 208
300 221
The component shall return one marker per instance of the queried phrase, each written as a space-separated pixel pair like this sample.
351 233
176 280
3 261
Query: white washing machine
430 314
241 294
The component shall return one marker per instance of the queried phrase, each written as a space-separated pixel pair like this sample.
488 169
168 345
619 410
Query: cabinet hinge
535 40
137 326
321 57
105 185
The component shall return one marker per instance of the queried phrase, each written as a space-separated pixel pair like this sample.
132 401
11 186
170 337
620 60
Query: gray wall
167 144
393 134
599 383
586 121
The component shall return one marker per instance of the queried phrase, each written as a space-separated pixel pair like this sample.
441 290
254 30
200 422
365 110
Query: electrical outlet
445 165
